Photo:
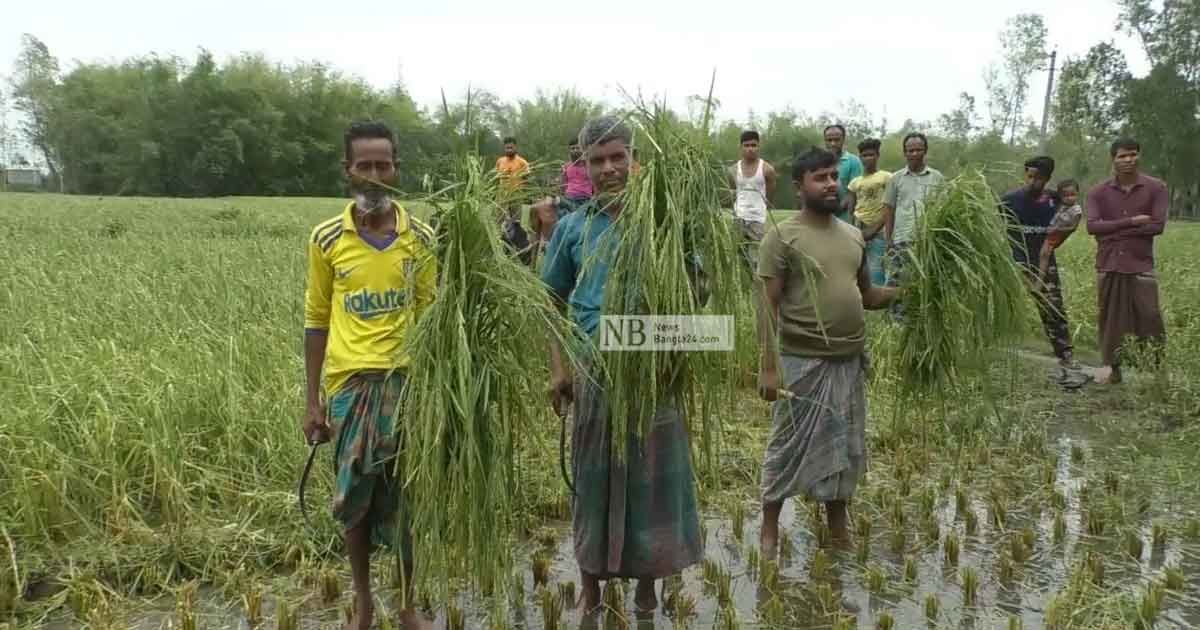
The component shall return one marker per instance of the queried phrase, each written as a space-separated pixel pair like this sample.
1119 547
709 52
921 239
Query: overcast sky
900 59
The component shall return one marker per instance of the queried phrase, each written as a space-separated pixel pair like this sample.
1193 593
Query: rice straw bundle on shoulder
476 385
673 253
964 296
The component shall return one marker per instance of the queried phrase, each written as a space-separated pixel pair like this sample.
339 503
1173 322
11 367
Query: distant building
23 179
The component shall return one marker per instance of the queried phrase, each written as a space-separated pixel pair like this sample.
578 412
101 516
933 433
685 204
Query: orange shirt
512 170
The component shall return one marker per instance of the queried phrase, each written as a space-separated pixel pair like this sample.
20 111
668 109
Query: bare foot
412 619
644 598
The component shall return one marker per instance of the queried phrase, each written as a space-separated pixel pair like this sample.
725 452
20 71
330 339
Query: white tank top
751 204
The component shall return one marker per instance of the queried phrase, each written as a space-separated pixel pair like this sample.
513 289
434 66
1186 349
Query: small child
1064 223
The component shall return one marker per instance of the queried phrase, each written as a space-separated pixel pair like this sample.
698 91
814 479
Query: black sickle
562 451
312 455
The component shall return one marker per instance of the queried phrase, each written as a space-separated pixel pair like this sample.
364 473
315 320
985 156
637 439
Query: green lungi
362 415
638 518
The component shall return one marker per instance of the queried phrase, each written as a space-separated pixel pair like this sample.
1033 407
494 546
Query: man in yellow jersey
371 271
513 170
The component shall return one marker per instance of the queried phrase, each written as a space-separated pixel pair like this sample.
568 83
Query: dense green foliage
156 125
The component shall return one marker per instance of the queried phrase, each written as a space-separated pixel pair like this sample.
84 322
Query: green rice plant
1077 454
541 569
1095 521
933 529
826 598
960 501
753 559
1029 538
932 608
970 585
469 392
455 618
964 297
285 616
737 519
863 551
998 512
876 579
1134 546
331 586
928 502
1158 534
670 244
862 526
711 571
898 541
770 576
727 620
724 589
684 606
843 621
252 605
824 535
971 522
818 568
951 548
1192 529
1150 606
897 513
185 606
772 612
1005 569
786 546
349 609
1015 623
1173 579
1017 549
1058 500
1112 483
885 621
1060 528
910 569
567 593
552 608
615 617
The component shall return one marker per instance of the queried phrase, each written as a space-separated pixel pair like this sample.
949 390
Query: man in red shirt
1125 213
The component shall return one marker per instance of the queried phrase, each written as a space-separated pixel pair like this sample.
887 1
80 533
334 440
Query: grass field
150 381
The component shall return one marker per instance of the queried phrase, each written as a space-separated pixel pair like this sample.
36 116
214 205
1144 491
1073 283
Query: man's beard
371 199
821 205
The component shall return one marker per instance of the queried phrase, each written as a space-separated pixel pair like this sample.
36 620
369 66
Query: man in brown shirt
1125 213
817 286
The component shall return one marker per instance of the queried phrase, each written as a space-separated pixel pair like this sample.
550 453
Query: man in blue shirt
638 518
849 167
1030 209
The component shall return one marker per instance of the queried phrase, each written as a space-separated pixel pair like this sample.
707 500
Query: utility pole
1046 105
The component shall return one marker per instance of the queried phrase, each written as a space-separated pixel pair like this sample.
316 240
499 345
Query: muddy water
1036 581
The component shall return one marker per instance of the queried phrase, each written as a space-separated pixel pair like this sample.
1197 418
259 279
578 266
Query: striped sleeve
318 289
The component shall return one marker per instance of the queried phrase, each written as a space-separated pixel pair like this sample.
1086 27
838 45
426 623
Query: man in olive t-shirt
817 287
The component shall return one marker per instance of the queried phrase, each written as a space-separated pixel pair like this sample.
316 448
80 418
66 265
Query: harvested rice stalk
964 296
671 252
474 390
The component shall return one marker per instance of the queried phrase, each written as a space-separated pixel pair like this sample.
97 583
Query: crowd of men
638 517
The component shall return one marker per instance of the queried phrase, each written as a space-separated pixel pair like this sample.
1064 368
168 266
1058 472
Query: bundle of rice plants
964 296
474 391
670 252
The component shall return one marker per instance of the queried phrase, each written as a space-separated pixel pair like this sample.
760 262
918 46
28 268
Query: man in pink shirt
576 190
1125 213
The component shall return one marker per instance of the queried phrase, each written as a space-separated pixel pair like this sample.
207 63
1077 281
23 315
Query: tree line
155 125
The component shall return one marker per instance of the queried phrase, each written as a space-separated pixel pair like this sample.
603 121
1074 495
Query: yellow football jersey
366 295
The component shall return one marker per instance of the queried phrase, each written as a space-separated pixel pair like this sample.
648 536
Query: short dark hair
812 159
360 129
915 134
509 140
1043 164
574 141
870 144
749 135
1124 143
837 126
1067 183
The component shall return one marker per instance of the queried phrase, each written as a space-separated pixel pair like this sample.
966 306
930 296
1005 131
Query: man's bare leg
591 591
358 547
644 598
768 538
838 523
